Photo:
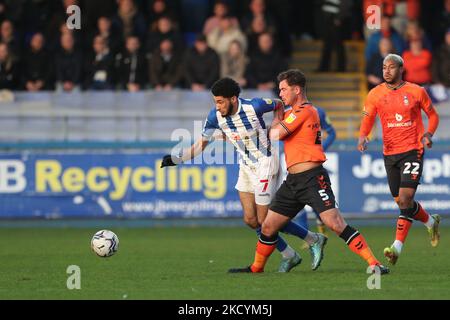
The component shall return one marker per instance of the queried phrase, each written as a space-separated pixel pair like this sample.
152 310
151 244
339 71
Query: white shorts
262 182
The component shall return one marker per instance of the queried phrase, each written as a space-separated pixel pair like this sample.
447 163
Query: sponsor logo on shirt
291 118
399 118
399 124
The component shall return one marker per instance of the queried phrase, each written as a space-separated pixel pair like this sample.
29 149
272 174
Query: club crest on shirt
291 118
405 100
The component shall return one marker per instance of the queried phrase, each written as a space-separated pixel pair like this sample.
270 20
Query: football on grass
105 243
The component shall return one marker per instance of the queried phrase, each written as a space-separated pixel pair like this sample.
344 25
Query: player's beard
229 109
392 81
395 78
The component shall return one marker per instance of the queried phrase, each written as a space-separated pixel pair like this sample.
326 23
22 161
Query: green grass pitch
191 263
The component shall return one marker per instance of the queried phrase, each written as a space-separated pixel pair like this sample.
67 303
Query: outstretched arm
209 129
195 149
185 155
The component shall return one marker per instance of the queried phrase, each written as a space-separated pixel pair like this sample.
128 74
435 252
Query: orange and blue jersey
326 125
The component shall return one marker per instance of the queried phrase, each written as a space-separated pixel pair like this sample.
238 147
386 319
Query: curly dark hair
226 87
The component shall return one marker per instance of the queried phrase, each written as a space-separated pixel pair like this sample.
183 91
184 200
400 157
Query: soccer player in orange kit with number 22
399 104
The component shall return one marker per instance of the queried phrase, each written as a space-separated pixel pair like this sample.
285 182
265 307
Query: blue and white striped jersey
245 129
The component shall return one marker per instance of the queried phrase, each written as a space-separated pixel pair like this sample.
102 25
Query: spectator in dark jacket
441 63
131 66
107 32
415 32
386 31
257 27
8 36
69 65
374 67
166 69
129 21
164 30
265 64
220 10
9 75
57 26
99 68
202 66
37 69
12 10
333 16
37 14
158 9
258 8
440 24
92 11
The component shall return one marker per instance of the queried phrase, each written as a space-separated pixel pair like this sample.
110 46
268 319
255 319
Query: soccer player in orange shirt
308 182
399 104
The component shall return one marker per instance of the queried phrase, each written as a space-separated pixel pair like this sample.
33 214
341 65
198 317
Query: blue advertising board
363 186
121 185
131 185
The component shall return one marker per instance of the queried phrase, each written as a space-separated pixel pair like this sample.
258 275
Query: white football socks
398 245
430 222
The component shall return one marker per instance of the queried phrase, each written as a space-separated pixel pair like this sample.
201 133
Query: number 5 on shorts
323 195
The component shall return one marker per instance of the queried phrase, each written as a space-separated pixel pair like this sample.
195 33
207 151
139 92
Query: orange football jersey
304 143
400 115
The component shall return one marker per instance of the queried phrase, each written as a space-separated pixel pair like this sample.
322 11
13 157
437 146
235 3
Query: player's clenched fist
362 143
169 161
427 140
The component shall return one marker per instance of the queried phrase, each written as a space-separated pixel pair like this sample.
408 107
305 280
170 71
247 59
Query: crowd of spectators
136 44
163 44
403 31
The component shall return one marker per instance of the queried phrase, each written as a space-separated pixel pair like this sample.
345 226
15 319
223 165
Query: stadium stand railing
145 119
